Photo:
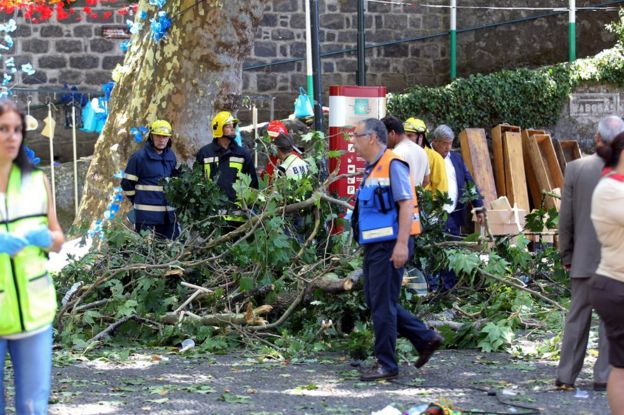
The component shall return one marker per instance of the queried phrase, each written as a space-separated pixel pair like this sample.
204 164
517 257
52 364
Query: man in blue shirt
384 221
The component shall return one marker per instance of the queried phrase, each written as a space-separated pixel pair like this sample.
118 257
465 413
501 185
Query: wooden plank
476 155
567 151
547 150
541 161
515 177
534 189
498 152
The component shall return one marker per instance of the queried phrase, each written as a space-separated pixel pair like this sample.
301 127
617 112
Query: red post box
347 106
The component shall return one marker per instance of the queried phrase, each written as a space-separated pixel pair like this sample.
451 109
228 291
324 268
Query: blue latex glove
40 237
11 244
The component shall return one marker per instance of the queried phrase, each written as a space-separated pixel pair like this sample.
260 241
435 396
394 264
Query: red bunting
38 11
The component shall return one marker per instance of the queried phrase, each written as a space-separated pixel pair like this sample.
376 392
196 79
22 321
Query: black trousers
382 286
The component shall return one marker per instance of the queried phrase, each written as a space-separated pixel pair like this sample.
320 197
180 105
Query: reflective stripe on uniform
149 188
377 181
237 159
132 177
211 159
129 192
152 208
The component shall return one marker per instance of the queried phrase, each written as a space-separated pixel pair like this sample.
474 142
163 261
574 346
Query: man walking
384 221
580 254
142 182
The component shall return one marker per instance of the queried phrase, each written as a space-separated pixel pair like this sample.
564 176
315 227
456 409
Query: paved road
161 382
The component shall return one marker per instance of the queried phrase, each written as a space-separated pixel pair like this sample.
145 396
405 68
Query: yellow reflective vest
27 296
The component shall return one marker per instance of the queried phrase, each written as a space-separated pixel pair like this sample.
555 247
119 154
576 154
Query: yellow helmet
415 125
161 127
221 120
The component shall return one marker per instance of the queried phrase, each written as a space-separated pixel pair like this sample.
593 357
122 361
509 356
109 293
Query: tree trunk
192 73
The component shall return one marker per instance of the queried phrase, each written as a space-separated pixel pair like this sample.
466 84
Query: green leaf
246 283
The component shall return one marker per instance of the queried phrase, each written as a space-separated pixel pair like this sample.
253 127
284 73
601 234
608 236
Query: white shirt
452 184
415 157
293 167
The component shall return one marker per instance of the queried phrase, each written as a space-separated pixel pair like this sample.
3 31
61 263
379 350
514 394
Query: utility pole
453 34
309 71
316 65
361 45
572 32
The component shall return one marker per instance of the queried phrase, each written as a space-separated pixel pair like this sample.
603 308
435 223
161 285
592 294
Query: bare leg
615 386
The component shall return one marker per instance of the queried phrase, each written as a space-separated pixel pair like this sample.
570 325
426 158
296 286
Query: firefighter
416 130
224 161
142 182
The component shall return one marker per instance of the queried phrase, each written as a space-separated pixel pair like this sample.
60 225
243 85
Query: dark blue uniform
142 185
225 164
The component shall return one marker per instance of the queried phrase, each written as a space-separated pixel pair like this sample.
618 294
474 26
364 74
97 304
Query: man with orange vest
384 220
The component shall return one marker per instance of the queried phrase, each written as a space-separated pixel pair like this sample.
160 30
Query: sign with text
594 105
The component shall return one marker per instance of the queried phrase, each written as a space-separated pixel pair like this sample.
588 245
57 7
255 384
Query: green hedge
524 97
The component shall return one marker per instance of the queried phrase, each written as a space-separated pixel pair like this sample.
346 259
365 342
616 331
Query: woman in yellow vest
29 229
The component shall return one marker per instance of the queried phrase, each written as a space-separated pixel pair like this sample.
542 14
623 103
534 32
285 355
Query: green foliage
525 97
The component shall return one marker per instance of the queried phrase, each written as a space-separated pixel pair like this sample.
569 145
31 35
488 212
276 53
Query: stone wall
74 52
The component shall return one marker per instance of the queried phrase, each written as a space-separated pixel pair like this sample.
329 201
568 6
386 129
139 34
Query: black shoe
426 352
378 373
600 386
566 387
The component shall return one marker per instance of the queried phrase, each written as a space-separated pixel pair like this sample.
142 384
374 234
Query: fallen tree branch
520 287
252 317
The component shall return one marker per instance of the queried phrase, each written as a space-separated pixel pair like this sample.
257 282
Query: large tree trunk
193 72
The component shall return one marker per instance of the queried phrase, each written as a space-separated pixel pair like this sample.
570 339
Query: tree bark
192 73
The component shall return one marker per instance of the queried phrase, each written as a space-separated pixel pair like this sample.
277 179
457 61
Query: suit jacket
463 176
578 243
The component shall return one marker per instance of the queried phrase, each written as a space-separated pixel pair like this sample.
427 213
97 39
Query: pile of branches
286 269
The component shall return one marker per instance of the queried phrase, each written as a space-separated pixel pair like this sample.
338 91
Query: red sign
347 106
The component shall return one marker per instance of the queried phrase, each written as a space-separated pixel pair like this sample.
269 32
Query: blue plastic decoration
8 40
159 3
142 15
31 156
124 46
9 26
108 89
28 69
160 25
134 27
138 133
6 79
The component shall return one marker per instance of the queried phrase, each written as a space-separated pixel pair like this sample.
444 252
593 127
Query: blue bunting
159 3
138 133
142 15
124 46
31 156
160 25
108 89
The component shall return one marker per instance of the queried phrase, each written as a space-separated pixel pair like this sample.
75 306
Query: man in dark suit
580 255
460 183
459 178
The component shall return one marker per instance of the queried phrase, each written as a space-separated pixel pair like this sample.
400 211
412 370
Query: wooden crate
515 176
545 166
567 151
476 155
534 189
498 150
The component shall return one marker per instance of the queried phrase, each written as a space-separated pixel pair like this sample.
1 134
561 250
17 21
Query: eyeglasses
358 135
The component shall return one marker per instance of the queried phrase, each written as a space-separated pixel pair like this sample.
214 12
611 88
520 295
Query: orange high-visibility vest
377 211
